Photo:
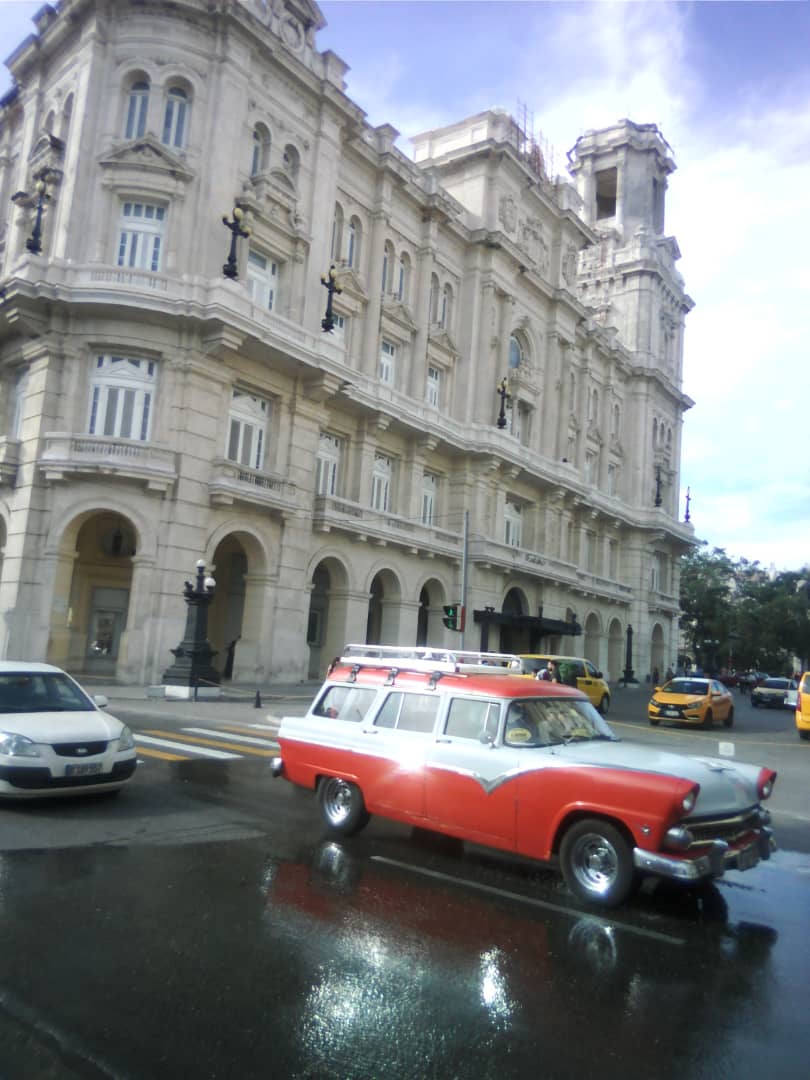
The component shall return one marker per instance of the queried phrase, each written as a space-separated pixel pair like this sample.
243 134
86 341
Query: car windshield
776 684
687 686
28 692
536 722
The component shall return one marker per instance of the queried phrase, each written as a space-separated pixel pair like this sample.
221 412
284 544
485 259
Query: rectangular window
468 719
339 327
141 228
19 392
434 386
121 398
513 524
409 712
247 429
429 486
388 353
262 280
327 466
381 483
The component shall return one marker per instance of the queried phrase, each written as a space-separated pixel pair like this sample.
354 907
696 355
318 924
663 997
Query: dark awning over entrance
537 626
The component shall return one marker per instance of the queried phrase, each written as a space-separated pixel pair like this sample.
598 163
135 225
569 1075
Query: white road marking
167 744
228 736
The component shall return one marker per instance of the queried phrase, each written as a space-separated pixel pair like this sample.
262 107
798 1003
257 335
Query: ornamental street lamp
686 518
34 241
628 674
658 485
329 281
237 230
192 667
503 392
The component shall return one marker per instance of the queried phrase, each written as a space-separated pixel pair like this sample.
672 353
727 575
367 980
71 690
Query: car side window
409 712
345 703
590 670
467 719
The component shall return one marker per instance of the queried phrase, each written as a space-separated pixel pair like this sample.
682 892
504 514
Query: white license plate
670 712
89 768
747 858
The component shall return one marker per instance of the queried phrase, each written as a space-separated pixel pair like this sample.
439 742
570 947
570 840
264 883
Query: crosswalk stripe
141 738
237 738
148 751
217 743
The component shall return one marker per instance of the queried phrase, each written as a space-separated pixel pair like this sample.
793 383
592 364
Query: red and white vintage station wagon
460 744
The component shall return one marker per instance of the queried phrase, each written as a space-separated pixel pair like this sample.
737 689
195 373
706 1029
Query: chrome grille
79 749
726 828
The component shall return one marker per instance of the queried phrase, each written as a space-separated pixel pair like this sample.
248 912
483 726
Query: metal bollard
257 704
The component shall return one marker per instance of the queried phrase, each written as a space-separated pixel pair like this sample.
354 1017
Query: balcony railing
362 522
65 455
9 460
234 483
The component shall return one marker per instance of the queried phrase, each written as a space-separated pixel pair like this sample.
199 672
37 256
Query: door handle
444 740
370 731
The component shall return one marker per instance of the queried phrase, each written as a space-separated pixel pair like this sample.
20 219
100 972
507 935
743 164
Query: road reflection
424 976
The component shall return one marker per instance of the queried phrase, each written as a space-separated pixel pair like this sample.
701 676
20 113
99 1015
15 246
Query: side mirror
101 700
486 739
599 675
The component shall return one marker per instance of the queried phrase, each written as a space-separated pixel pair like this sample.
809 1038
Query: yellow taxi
575 671
690 699
803 707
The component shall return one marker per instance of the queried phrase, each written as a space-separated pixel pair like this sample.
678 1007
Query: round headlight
766 789
689 801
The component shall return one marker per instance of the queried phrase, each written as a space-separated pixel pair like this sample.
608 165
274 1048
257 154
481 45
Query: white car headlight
126 740
14 745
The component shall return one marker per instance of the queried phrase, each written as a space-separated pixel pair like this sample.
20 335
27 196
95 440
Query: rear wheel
342 805
597 863
729 720
804 734
604 704
708 720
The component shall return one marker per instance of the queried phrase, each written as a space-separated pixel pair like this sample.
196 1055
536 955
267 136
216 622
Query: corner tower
629 277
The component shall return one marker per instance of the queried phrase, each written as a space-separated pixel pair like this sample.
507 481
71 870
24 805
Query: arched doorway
382 625
429 626
592 639
657 664
514 639
229 566
92 593
326 622
615 664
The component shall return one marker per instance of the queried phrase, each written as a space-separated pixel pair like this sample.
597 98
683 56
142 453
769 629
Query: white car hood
56 727
725 786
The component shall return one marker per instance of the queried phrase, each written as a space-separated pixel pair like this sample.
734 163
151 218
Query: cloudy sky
729 86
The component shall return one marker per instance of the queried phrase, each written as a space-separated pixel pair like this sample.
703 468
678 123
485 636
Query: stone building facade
340 486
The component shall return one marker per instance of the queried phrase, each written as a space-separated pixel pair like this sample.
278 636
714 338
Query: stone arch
384 608
328 615
513 638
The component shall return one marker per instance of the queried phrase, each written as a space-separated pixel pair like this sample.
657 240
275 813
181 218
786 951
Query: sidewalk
238 703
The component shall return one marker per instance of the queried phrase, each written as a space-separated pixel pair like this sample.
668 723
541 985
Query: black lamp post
503 392
658 485
686 517
34 241
329 281
235 225
629 676
192 667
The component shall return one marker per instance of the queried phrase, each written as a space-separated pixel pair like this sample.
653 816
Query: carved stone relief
507 213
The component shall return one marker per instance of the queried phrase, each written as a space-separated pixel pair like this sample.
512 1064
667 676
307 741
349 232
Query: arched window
353 244
446 315
655 433
261 150
387 266
617 420
593 405
175 117
50 120
515 353
433 309
291 161
137 109
403 278
337 233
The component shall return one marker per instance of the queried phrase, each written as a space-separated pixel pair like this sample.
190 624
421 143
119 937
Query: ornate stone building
343 486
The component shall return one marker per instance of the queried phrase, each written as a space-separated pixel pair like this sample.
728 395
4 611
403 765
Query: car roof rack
430 659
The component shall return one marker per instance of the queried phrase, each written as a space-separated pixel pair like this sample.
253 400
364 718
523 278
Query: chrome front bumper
712 864
276 766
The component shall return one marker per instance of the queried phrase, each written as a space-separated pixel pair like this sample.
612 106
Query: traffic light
454 616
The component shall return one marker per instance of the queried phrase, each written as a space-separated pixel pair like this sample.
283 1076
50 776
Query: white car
54 739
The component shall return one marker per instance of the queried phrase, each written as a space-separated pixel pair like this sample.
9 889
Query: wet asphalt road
203 925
